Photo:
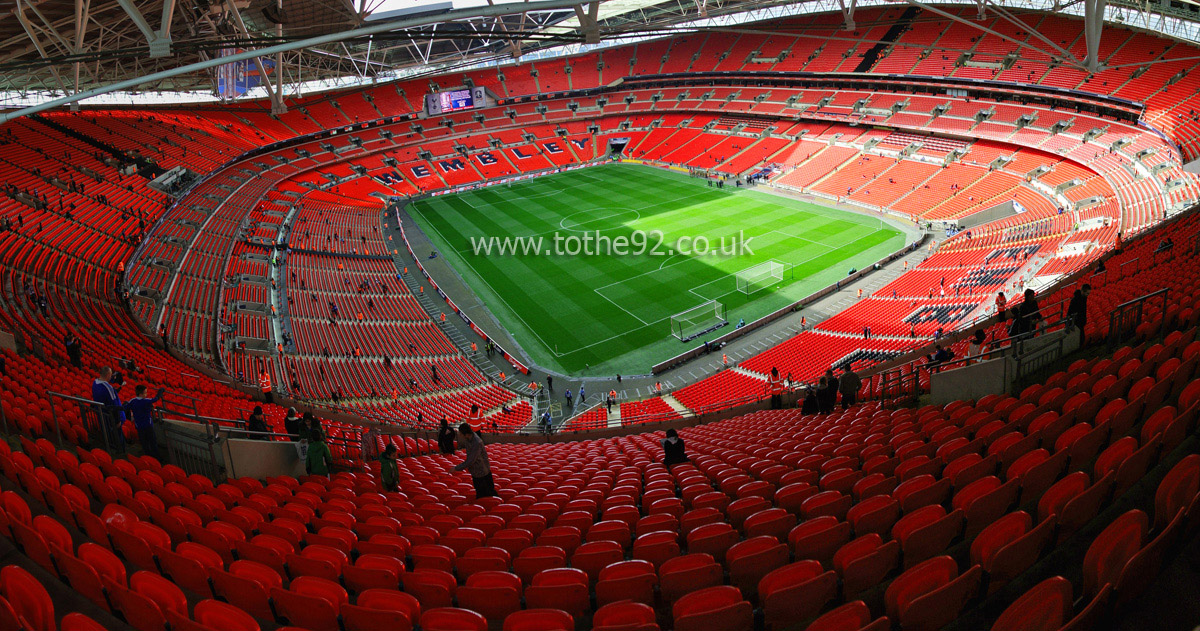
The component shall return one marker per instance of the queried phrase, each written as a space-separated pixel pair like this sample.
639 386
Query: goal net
698 320
763 275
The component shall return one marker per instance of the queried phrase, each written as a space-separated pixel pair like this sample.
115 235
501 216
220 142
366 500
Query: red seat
452 619
373 571
714 539
874 514
773 522
719 608
1010 546
381 609
656 547
219 615
310 602
624 616
926 532
1177 491
627 580
819 538
865 561
539 620
852 616
493 594
750 560
27 598
537 558
794 592
930 594
1112 549
688 573
594 556
247 585
1045 607
433 588
560 588
72 622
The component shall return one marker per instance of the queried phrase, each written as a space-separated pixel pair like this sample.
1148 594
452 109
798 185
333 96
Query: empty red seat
930 594
852 616
624 616
865 561
714 539
381 609
719 608
819 538
539 620
627 580
452 619
493 594
750 560
1045 607
794 592
1112 549
27 598
560 588
688 573
219 615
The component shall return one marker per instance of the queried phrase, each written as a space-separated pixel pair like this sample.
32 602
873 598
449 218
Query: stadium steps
734 157
835 169
898 28
749 373
676 405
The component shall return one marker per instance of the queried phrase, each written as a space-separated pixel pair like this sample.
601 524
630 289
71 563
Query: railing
98 420
196 453
1125 318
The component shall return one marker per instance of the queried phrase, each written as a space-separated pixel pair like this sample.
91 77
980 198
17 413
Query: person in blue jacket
112 417
142 409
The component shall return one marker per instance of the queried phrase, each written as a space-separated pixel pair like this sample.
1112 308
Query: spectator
1001 306
1077 311
673 449
74 350
810 405
389 475
264 384
476 462
308 424
370 444
828 397
1027 316
112 417
142 410
445 438
318 460
976 346
258 423
291 424
849 386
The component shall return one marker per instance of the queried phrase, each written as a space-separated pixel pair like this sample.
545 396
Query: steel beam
158 48
320 40
1093 27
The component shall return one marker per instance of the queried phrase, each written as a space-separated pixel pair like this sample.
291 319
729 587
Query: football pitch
610 311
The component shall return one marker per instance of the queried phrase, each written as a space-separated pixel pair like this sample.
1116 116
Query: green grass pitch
607 313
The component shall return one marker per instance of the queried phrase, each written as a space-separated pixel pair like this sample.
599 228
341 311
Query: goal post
759 277
690 324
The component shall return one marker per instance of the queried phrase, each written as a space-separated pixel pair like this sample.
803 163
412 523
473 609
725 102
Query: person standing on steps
476 462
445 437
569 406
389 475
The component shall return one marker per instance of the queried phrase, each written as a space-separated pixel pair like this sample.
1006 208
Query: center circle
608 218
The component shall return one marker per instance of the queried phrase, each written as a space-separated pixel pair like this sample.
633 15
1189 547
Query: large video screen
455 100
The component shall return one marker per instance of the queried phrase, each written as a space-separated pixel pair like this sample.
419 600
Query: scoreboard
454 100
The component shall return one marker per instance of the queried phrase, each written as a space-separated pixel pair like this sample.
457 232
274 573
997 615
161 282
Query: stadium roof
52 49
